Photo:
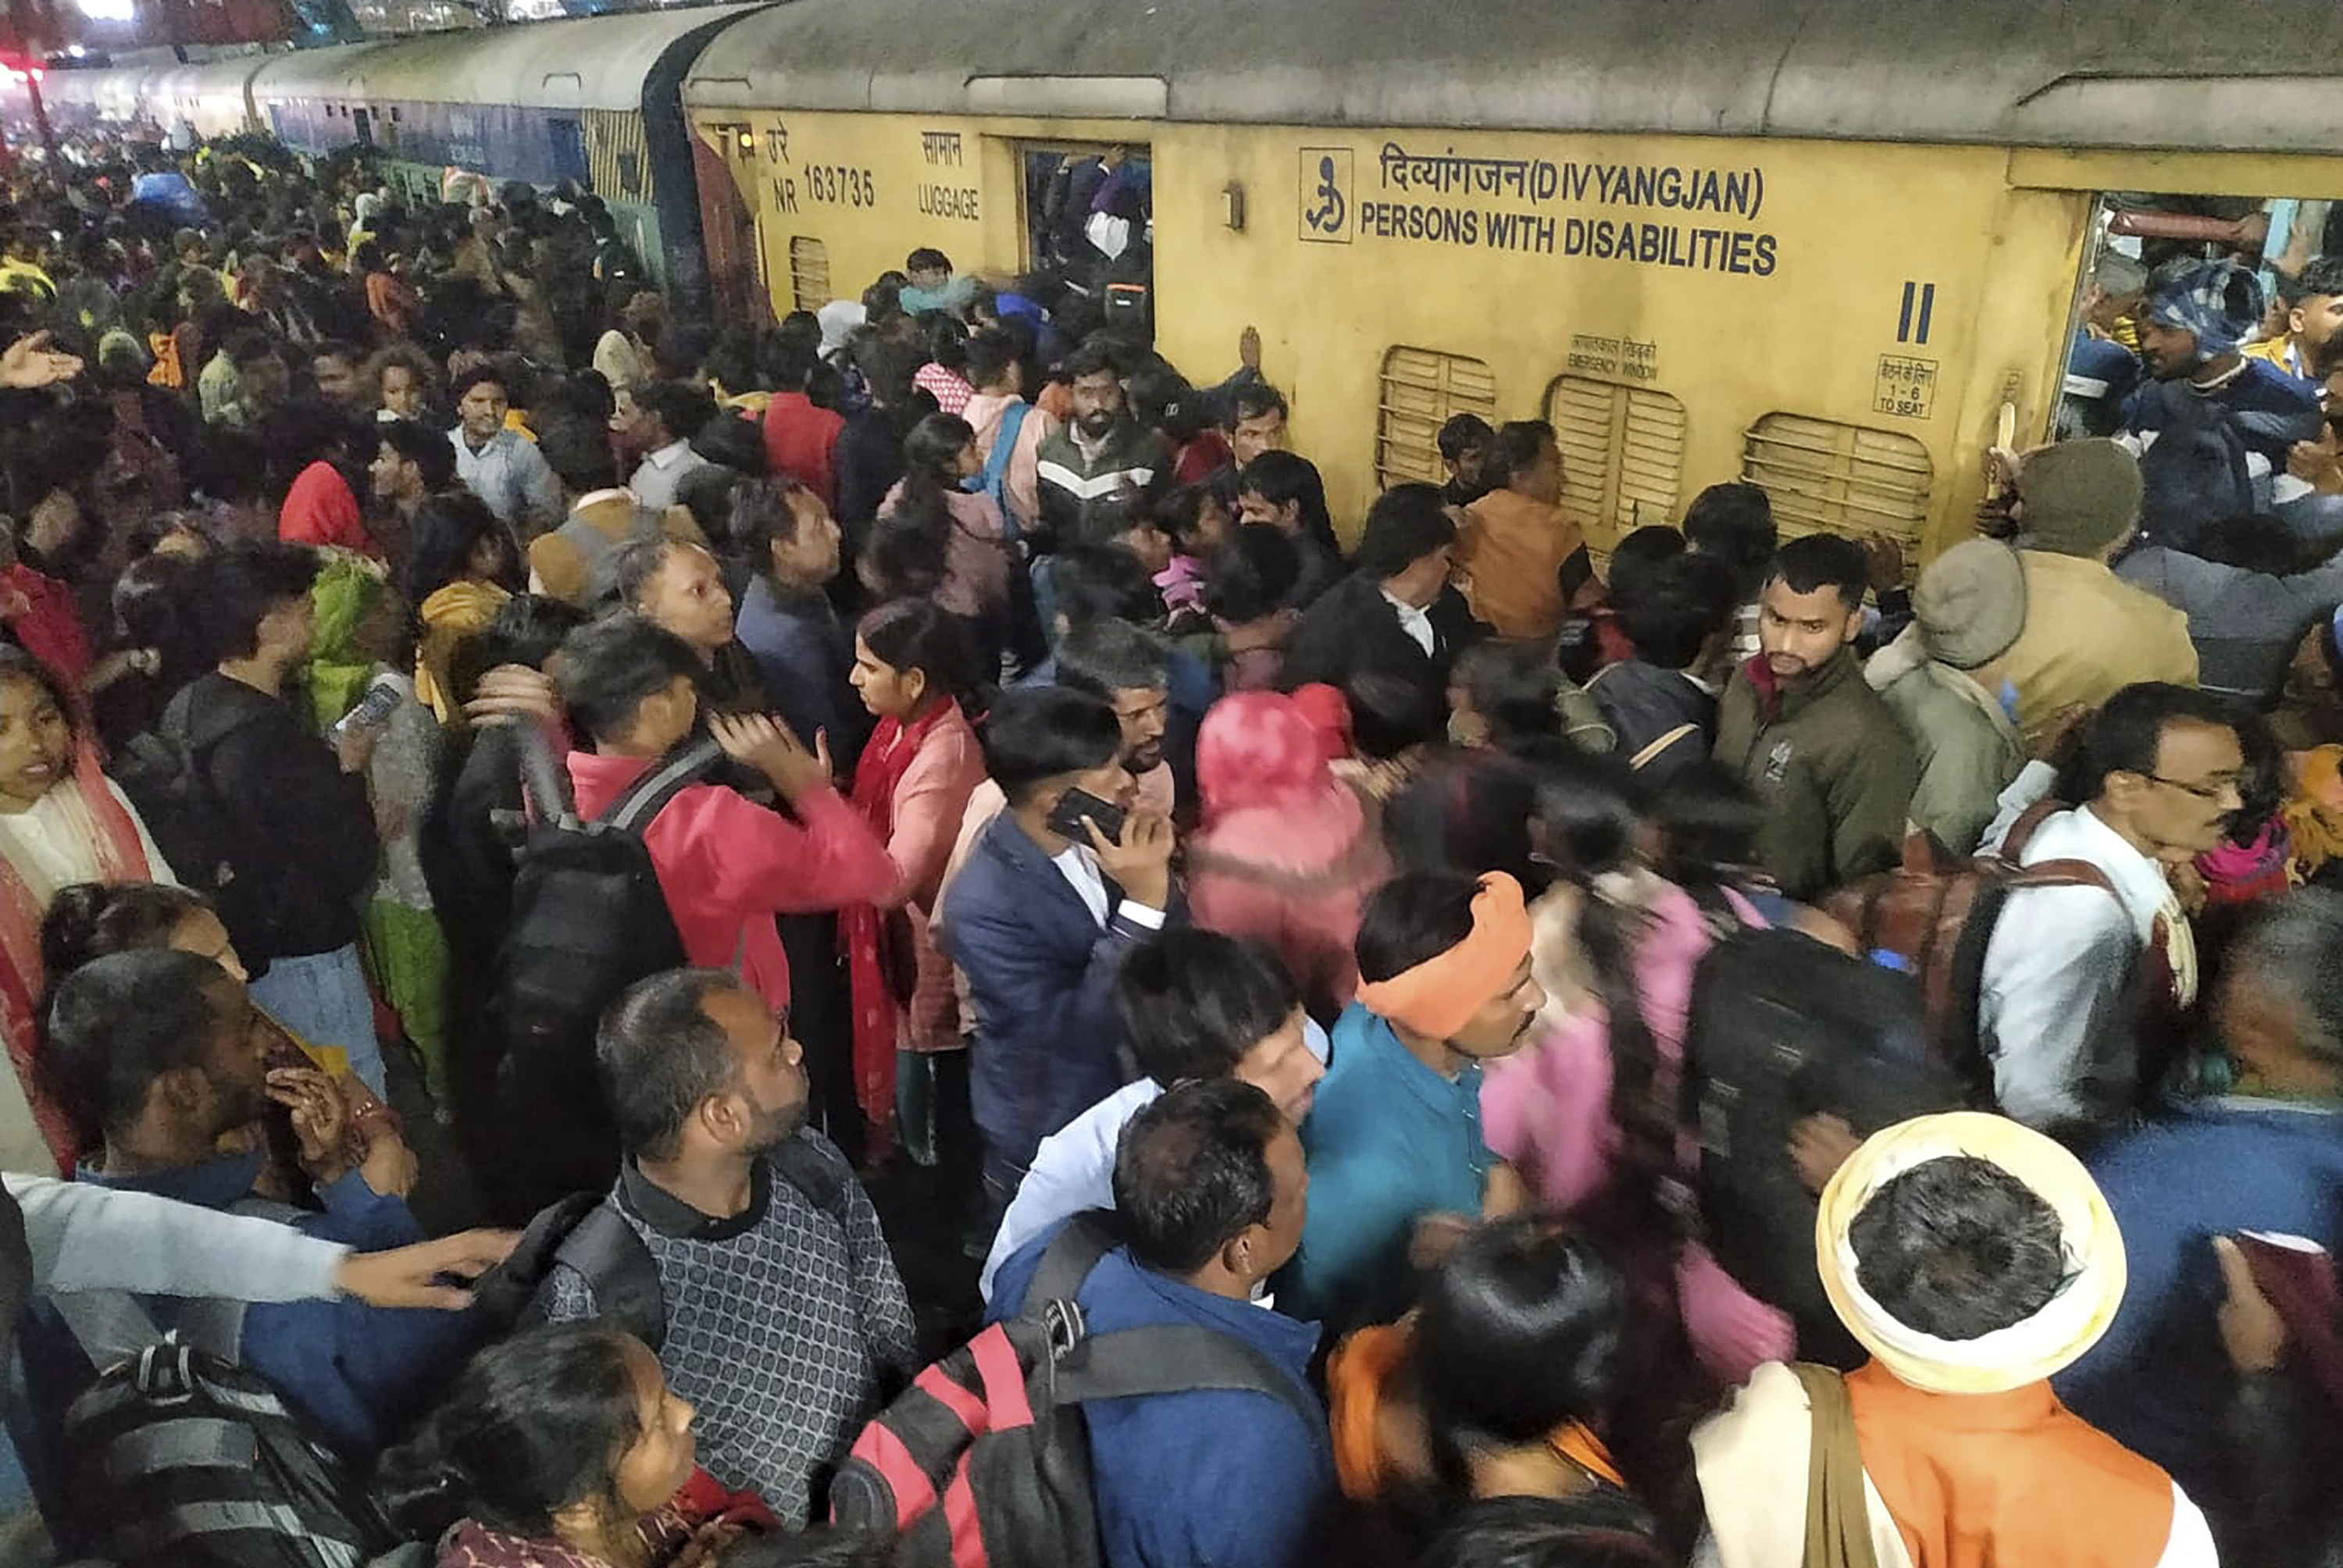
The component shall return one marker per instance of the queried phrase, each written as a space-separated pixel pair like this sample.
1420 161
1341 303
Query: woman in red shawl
912 666
62 821
563 1447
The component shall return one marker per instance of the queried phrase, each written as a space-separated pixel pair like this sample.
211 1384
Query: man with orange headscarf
1397 1161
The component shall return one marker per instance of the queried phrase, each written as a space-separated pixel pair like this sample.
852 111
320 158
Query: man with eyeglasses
2084 987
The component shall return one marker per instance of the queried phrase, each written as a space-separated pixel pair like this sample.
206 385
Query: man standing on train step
1827 756
2213 428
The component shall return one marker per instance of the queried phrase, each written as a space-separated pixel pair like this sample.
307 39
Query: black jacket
304 830
1351 639
867 462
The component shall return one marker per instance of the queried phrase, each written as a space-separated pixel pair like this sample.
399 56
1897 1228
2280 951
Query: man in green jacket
1827 758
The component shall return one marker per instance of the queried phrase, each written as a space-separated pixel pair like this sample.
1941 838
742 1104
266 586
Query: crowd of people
1455 1048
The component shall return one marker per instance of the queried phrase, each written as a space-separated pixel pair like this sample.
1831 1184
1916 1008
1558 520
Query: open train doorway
2257 346
1090 222
2141 241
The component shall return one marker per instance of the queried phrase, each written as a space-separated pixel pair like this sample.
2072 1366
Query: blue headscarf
2220 302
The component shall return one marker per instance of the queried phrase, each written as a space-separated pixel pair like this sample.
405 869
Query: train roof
2166 74
596 62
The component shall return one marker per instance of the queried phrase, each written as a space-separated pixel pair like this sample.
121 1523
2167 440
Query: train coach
1830 247
157 88
592 101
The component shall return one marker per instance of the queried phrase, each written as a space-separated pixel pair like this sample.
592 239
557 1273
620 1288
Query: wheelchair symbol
1325 206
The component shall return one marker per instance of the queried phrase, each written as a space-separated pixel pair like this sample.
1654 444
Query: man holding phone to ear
1056 891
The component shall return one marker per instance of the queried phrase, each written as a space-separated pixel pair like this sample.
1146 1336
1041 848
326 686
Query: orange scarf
1440 995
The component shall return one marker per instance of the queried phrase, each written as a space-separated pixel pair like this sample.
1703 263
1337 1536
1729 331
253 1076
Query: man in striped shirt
1091 473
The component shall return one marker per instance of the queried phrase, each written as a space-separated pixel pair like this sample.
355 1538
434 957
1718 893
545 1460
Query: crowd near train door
1090 213
2139 239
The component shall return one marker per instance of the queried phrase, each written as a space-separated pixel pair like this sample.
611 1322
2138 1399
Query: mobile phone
1066 816
375 707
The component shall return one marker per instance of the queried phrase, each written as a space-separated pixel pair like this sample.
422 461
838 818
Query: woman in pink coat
1285 851
912 668
1590 1113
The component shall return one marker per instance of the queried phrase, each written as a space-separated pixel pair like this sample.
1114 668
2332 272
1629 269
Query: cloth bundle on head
2080 496
838 319
2313 809
347 585
1437 996
1329 713
1970 603
2220 302
2023 1353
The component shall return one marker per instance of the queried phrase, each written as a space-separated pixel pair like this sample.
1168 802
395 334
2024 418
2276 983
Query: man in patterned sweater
786 1322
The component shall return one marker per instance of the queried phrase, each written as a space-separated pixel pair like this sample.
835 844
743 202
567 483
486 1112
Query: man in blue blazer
1040 919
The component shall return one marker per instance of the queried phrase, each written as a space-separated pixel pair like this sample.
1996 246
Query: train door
1088 217
362 127
569 161
2281 462
2139 239
727 230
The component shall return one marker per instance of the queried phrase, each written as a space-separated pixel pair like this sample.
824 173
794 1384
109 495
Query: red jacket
799 440
320 511
728 865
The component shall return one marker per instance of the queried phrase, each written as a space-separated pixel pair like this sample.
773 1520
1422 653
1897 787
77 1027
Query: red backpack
985 1461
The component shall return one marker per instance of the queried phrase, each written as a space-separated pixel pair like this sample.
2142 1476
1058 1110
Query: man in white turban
1973 1259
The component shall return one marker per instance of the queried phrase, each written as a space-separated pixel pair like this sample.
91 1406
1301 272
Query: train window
1622 454
1821 475
1423 389
808 272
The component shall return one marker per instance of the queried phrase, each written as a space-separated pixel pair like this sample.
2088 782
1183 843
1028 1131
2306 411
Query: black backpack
589 920
166 773
969 1467
179 1458
1783 1027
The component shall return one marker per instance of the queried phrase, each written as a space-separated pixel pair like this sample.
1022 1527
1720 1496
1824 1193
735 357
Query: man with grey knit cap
1943 676
2088 634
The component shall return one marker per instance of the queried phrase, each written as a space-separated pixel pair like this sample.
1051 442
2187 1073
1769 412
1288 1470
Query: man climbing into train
2213 428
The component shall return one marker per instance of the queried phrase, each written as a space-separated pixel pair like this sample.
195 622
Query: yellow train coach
1831 247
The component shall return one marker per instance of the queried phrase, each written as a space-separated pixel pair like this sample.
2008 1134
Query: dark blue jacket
805 653
1040 976
2159 1381
355 1370
1228 1478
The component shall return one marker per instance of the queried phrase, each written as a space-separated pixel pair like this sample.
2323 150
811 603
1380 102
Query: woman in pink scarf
1286 852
